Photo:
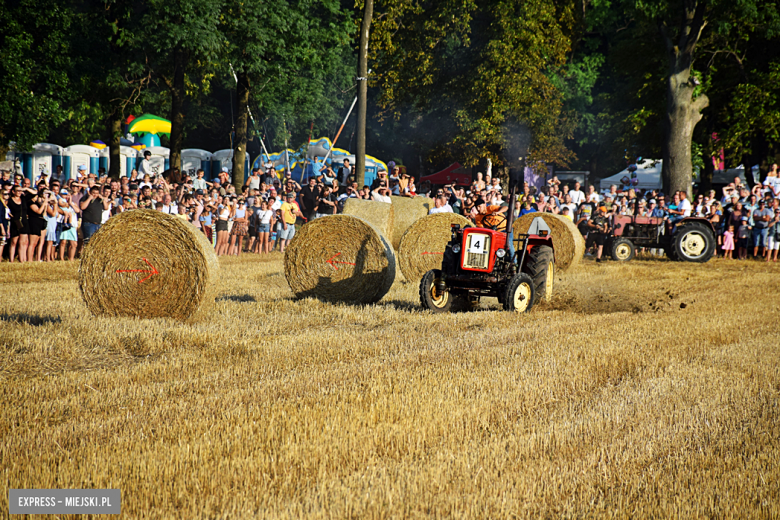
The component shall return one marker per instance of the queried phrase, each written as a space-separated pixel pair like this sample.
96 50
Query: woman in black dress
36 207
20 230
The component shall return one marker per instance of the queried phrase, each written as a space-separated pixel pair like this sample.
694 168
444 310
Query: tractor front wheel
622 250
540 266
519 296
430 296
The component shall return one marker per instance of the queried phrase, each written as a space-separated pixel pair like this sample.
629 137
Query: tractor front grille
476 254
475 261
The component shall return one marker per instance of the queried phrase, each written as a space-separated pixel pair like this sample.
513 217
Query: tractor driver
598 229
488 216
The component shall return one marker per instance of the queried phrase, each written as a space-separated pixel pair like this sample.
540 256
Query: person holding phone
92 207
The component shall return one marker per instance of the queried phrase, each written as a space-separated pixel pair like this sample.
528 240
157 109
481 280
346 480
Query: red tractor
691 239
483 262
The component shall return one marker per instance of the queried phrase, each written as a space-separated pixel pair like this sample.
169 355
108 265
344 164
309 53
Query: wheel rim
522 297
439 300
693 244
623 252
548 288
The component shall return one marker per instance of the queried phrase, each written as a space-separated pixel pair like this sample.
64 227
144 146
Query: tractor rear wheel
519 296
622 250
694 242
541 268
430 297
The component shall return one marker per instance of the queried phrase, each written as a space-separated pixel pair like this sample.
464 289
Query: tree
360 156
683 27
183 38
34 57
471 67
282 52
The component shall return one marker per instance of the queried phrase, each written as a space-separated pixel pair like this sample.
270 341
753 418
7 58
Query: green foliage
34 57
469 67
297 57
754 109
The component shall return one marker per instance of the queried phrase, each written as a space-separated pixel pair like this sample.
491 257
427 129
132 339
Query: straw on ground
647 389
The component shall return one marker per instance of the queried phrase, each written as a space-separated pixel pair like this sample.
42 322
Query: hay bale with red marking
340 258
422 246
146 264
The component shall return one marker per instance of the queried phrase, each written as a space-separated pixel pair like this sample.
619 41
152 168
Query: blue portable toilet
45 159
77 155
127 158
160 158
193 159
224 158
104 158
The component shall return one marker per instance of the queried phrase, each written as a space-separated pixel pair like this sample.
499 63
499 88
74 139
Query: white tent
648 175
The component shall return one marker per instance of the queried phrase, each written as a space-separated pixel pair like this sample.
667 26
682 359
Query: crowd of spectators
51 217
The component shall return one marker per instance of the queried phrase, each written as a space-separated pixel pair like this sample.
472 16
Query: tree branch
665 36
700 103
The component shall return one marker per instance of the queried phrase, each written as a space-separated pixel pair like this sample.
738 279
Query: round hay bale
567 240
423 244
407 211
146 264
340 258
378 214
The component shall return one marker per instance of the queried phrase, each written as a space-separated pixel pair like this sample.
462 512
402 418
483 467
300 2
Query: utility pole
360 154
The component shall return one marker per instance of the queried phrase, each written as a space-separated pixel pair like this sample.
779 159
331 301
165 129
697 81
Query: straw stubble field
647 389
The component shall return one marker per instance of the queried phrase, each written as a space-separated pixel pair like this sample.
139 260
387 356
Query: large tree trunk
242 120
360 153
114 134
682 111
178 95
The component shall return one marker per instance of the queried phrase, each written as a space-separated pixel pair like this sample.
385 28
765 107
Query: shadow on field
239 298
30 319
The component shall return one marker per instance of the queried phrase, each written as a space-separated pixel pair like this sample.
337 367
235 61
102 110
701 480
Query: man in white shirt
381 194
568 203
685 205
145 168
169 207
592 195
440 205
577 197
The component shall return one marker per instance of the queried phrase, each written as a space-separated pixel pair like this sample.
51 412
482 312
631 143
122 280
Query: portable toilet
160 158
224 158
127 157
45 159
104 158
193 159
80 154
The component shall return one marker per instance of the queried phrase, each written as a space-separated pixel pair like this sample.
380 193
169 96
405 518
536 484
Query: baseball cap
224 169
602 208
479 202
744 218
198 192
82 168
63 192
291 194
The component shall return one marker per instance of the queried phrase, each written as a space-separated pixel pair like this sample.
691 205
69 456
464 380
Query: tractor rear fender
700 220
534 241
